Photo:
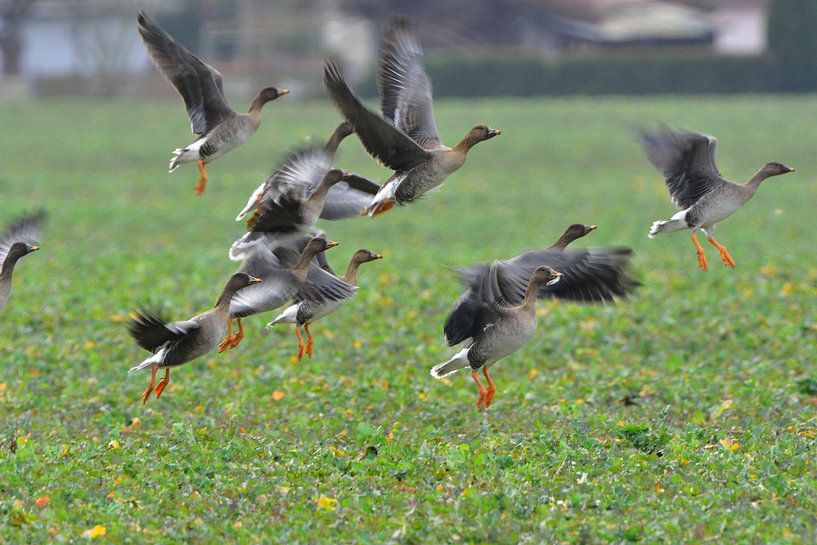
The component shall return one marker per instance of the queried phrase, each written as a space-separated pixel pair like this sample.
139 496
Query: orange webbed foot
151 384
225 343
162 383
310 342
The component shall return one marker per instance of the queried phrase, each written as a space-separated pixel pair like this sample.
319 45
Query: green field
685 415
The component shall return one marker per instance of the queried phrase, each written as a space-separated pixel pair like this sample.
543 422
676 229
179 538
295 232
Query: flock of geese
282 253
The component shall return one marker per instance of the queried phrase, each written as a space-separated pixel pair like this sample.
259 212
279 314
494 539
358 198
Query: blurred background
474 47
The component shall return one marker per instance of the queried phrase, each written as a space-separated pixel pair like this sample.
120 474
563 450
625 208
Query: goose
300 191
687 161
311 304
496 329
218 127
19 239
588 275
284 269
175 343
405 137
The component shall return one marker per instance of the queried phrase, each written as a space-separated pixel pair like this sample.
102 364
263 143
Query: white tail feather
289 316
458 361
155 359
675 223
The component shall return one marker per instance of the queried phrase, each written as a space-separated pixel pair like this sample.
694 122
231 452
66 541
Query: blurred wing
151 331
404 86
475 309
381 138
322 286
590 275
23 229
687 161
343 200
285 190
200 85
277 287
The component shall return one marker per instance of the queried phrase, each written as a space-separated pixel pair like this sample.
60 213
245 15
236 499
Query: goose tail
458 361
675 223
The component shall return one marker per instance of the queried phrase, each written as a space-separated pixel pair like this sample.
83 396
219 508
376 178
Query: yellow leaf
113 445
42 501
89 345
356 345
277 395
63 451
326 504
728 444
96 531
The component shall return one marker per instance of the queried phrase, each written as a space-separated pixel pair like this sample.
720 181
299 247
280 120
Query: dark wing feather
23 229
589 275
404 86
687 161
380 137
200 85
476 308
322 286
151 331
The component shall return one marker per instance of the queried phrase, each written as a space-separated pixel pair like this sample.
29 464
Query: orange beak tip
35 248
284 91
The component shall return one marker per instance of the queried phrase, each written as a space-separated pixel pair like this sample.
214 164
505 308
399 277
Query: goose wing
687 161
23 229
200 85
380 137
151 331
404 85
349 197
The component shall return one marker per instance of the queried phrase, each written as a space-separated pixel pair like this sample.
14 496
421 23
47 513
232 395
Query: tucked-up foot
202 183
379 208
162 383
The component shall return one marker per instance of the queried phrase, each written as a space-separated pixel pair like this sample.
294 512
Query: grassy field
685 415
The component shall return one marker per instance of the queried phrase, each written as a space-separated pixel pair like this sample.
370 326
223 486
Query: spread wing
322 286
151 331
349 197
23 229
687 161
278 201
380 137
404 86
278 284
476 309
200 85
589 275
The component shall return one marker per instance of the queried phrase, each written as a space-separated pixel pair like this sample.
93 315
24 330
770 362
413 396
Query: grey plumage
687 161
405 137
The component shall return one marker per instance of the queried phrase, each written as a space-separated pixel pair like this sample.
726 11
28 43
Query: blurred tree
793 43
12 15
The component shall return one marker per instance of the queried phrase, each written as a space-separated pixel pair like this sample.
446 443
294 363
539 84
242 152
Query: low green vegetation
685 415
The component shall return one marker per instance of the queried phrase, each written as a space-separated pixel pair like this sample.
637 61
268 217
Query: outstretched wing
380 137
23 229
200 85
687 161
349 197
151 331
404 86
475 309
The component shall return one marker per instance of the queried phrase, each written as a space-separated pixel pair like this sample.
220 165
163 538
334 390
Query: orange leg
301 344
482 391
238 336
701 256
254 217
384 206
491 390
163 383
310 342
202 180
725 257
146 395
225 343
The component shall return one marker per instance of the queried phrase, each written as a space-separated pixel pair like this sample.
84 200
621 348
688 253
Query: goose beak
554 280
377 256
347 175
283 91
591 228
34 248
494 132
791 169
331 244
254 280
